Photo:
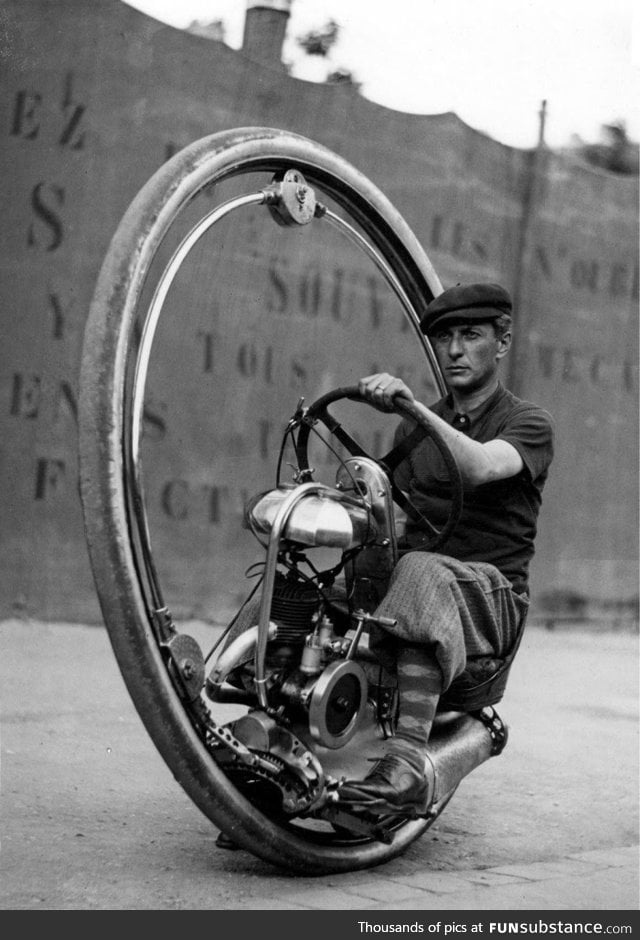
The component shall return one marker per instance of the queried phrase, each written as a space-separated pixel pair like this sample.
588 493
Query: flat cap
466 302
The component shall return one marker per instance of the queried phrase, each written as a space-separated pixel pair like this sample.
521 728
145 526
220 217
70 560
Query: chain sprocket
299 782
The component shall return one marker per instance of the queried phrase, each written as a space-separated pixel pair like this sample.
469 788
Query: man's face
469 353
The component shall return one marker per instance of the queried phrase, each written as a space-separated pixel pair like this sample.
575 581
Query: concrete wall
96 97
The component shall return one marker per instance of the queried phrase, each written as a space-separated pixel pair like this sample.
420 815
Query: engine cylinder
293 607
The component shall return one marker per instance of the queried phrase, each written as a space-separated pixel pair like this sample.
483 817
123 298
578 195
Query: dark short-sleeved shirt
499 519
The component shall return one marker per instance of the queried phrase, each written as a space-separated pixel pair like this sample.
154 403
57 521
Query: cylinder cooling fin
293 606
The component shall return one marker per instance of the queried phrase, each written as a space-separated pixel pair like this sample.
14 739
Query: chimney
264 30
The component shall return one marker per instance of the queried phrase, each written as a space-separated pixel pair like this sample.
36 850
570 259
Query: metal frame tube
395 285
277 528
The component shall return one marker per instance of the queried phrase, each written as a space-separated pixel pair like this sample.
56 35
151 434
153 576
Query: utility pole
530 198
542 115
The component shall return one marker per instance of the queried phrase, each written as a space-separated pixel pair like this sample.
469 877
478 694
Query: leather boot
395 785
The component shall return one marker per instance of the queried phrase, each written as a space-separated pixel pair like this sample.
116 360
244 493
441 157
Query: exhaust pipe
238 651
458 744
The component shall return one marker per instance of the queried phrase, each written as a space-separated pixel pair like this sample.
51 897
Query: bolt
341 703
301 193
188 669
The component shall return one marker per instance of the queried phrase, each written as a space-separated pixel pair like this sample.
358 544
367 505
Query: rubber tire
107 342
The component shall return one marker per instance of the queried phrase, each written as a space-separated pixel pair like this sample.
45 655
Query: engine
299 658
309 665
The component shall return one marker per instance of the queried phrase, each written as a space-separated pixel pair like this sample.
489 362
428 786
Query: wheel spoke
414 514
397 454
341 434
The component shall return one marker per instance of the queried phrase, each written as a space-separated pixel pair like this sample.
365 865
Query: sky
492 62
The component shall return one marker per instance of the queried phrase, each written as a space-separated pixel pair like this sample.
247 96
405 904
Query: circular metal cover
337 703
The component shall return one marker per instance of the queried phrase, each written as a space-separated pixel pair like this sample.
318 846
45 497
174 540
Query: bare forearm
478 462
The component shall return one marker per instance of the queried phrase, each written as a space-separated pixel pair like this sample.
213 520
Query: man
466 601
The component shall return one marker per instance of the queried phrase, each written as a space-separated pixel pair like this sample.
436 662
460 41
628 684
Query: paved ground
93 820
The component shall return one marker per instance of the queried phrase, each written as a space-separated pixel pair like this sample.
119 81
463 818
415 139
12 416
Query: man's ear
504 344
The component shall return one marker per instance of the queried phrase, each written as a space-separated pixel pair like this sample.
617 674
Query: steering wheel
319 411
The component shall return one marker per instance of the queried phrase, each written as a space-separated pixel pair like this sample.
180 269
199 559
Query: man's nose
455 347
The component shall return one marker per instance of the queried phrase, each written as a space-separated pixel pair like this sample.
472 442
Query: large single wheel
302 184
